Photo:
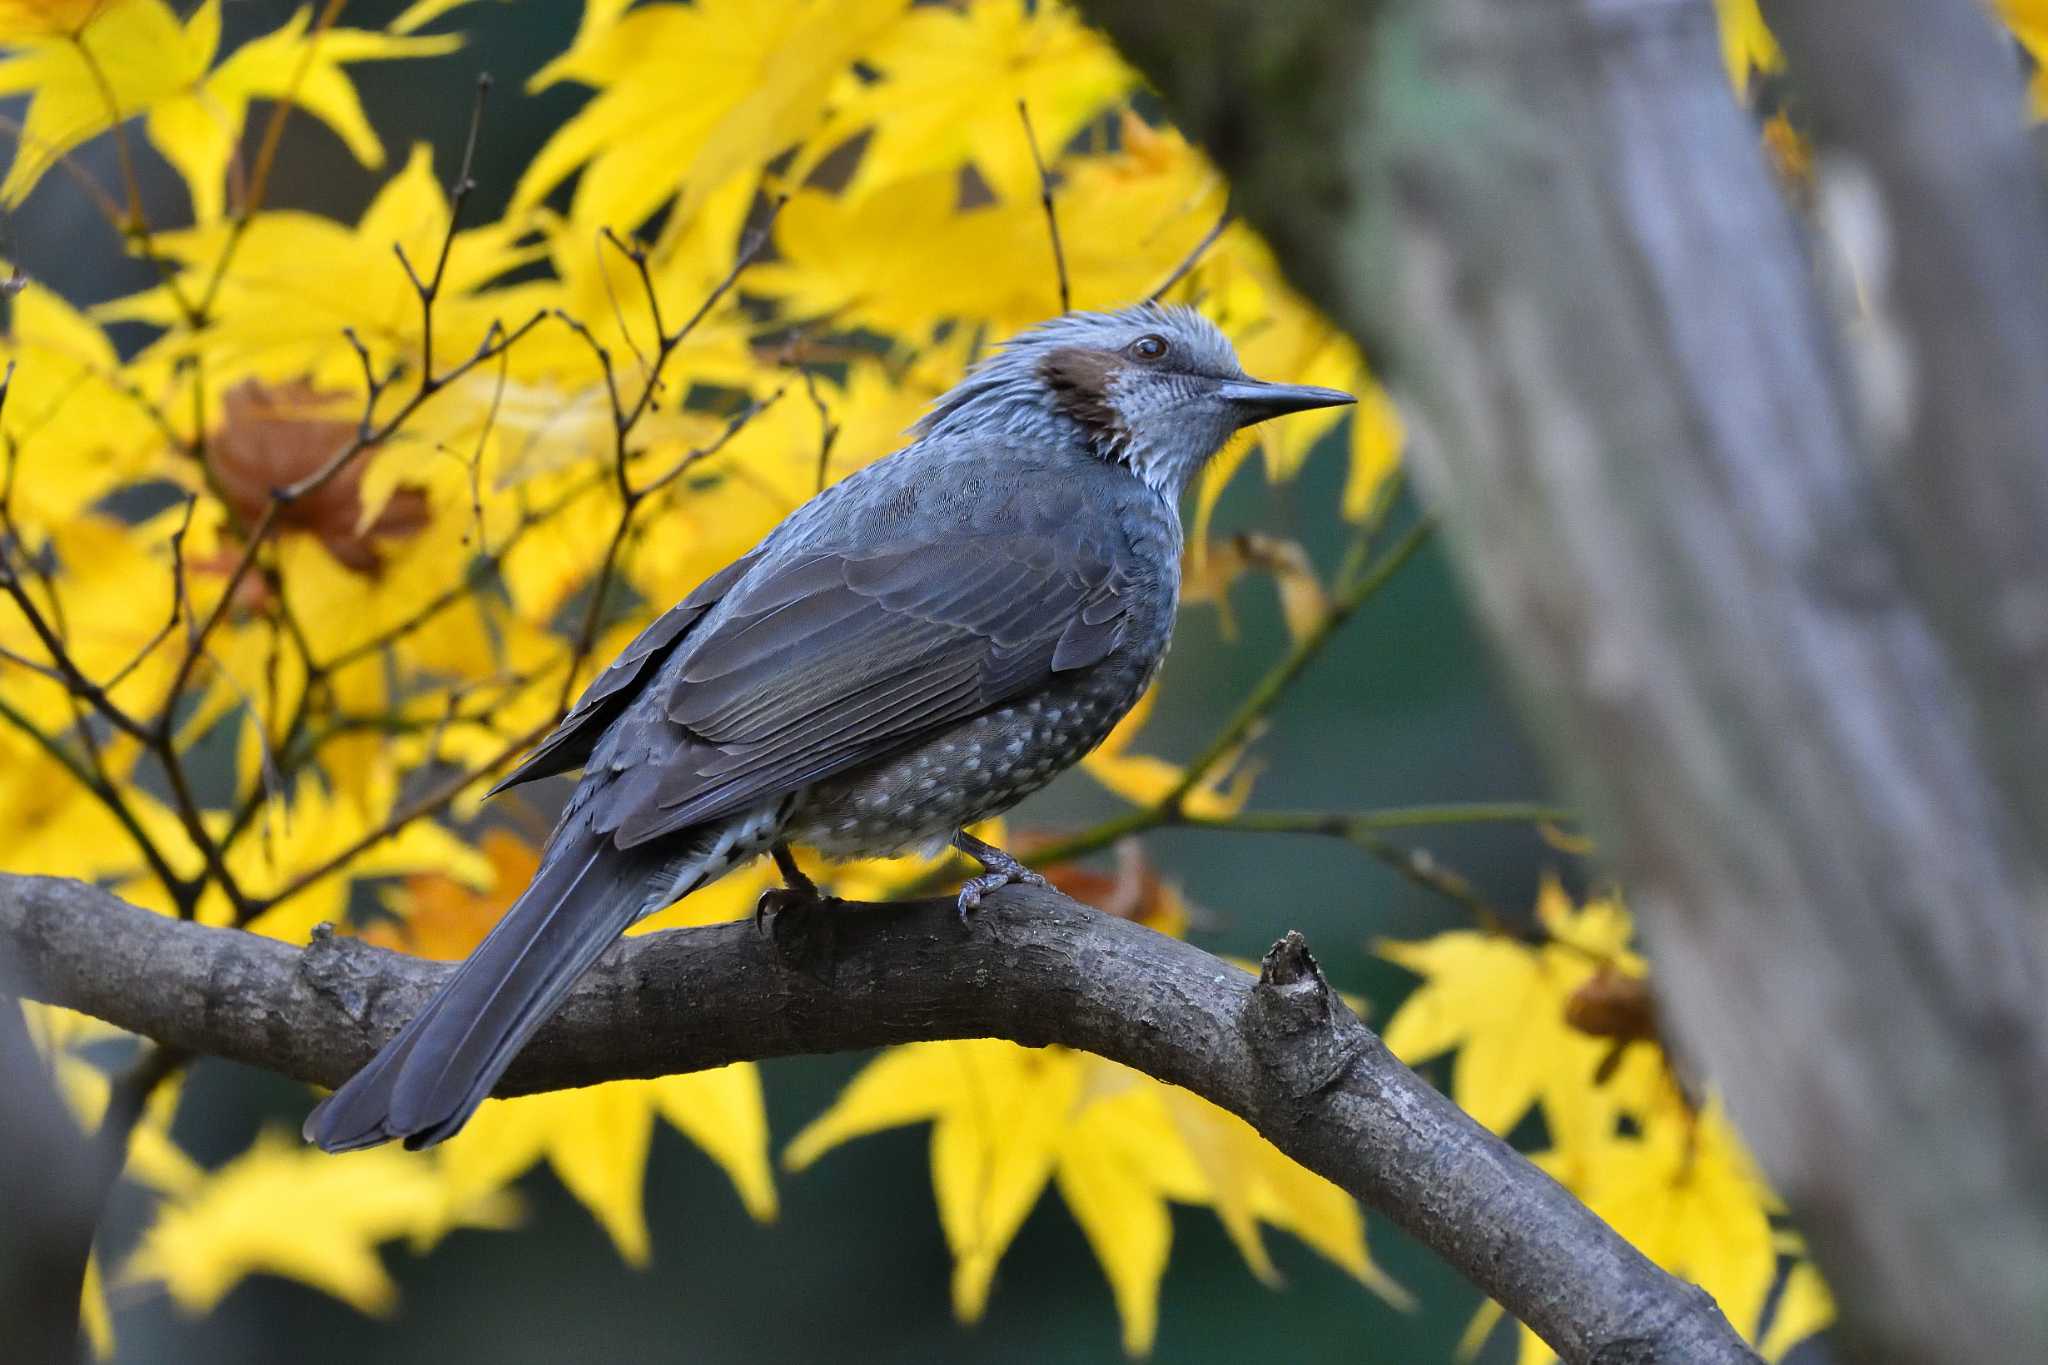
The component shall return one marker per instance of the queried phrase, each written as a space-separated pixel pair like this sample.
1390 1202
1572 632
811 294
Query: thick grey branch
1282 1050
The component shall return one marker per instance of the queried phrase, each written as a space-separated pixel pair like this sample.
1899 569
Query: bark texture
1794 672
1281 1050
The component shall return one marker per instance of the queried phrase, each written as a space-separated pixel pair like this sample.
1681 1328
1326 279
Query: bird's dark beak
1257 400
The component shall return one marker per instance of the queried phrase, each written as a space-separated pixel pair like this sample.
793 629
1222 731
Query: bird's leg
999 870
792 876
796 889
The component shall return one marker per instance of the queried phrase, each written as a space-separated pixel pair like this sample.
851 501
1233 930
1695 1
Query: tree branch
1281 1050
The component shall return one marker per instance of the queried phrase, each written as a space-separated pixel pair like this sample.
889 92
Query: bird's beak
1257 400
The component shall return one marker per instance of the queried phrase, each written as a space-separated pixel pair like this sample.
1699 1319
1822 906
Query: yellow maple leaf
1144 779
196 131
1212 571
2028 20
321 824
1746 44
1127 219
1501 1004
1684 1190
842 254
284 1209
1539 1024
120 59
278 321
88 71
76 431
923 116
1009 1120
689 96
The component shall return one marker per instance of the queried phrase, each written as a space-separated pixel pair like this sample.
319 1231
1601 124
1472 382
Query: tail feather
430 1078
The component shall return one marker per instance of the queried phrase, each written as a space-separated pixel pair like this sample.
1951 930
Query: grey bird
915 649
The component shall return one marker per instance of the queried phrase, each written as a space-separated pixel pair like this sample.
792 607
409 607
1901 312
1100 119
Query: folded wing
827 661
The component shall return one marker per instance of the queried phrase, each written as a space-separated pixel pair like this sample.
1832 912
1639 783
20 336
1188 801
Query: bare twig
636 253
494 342
459 191
196 315
107 795
427 803
178 603
1052 219
1260 701
828 430
625 418
1192 259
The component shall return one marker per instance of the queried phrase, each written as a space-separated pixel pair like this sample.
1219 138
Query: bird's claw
776 899
975 888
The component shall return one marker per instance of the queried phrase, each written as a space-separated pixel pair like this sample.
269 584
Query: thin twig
178 603
176 887
459 191
1192 259
1353 591
636 253
626 418
494 342
1052 220
828 430
1260 701
429 802
196 316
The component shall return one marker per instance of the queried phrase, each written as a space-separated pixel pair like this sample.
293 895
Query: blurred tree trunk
1793 662
50 1195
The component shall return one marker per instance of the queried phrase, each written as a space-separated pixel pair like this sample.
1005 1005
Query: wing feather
836 660
612 691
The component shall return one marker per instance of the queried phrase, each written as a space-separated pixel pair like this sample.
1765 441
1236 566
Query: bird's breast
970 771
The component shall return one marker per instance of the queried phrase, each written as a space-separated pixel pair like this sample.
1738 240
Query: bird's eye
1151 346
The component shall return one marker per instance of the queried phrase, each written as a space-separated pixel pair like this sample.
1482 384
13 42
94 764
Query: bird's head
1155 387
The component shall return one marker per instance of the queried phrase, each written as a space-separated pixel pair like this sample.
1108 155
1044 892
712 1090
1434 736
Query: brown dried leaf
272 436
1613 1004
1134 891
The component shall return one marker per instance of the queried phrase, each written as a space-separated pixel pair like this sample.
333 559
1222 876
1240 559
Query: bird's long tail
430 1078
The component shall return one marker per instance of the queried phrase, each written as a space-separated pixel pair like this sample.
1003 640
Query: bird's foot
972 891
999 870
798 891
778 900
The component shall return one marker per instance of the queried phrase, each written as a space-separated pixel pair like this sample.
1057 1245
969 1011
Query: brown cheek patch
1080 379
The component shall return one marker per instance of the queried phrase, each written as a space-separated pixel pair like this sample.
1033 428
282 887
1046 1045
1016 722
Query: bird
915 649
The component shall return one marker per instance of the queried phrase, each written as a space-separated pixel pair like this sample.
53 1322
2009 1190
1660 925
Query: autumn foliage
375 498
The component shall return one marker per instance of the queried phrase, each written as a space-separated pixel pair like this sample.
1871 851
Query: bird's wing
824 661
569 745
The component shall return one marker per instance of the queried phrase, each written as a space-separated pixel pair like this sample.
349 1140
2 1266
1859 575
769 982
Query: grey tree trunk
1794 669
